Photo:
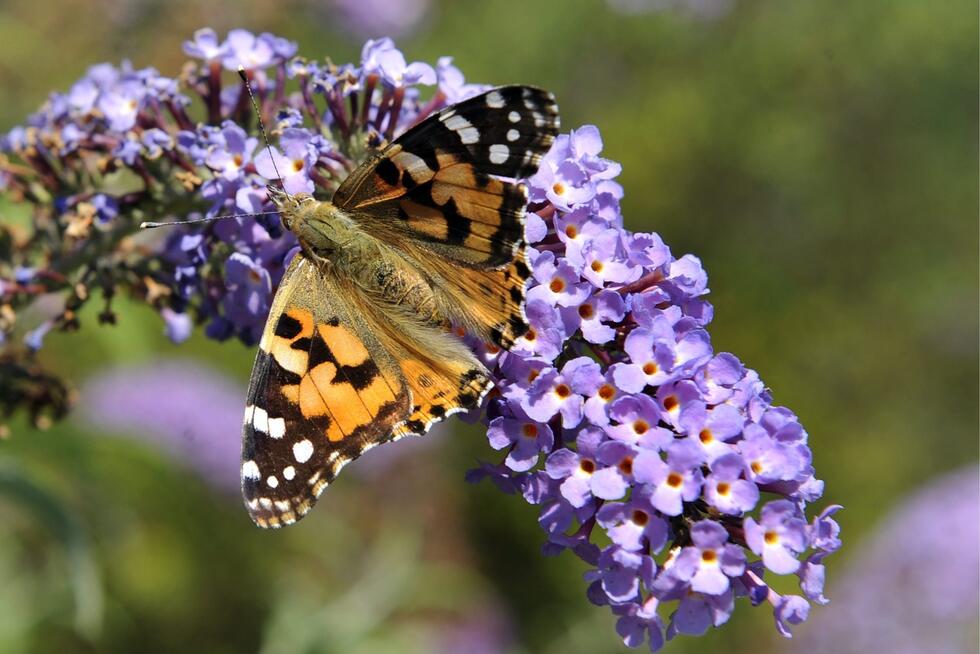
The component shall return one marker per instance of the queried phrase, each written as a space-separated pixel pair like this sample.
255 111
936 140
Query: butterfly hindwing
486 303
443 375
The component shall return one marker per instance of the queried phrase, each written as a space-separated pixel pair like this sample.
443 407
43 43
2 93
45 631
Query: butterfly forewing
323 390
442 189
435 181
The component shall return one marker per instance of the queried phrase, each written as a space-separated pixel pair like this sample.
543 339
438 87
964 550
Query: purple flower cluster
183 146
624 426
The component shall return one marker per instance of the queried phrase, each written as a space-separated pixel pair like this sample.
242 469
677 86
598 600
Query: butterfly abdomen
394 282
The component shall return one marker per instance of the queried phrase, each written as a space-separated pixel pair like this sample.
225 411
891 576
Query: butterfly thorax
330 237
325 232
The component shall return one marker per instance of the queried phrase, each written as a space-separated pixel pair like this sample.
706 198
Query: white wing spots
469 136
250 470
514 117
454 122
467 133
265 503
260 420
302 451
277 427
249 412
283 506
513 135
289 473
272 481
499 153
539 120
495 100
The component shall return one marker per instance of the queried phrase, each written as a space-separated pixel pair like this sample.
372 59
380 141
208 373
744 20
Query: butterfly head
323 228
290 206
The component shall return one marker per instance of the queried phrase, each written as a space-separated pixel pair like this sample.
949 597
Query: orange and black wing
444 189
323 390
333 377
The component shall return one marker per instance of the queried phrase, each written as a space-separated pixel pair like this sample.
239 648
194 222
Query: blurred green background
820 158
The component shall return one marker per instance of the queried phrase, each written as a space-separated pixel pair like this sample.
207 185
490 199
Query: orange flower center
607 392
530 430
586 311
558 188
670 402
640 517
649 368
562 391
641 426
674 480
557 285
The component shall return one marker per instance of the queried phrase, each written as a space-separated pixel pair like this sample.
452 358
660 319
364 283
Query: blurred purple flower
205 45
189 411
373 18
380 57
242 48
913 587
452 84
177 325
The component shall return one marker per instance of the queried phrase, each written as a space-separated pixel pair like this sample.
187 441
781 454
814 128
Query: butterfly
425 234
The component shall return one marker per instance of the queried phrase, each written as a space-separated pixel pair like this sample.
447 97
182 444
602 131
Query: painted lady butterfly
357 351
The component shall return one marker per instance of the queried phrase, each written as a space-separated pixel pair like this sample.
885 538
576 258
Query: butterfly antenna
152 225
258 114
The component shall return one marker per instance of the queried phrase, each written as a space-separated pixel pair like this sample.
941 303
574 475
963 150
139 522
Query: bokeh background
820 158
